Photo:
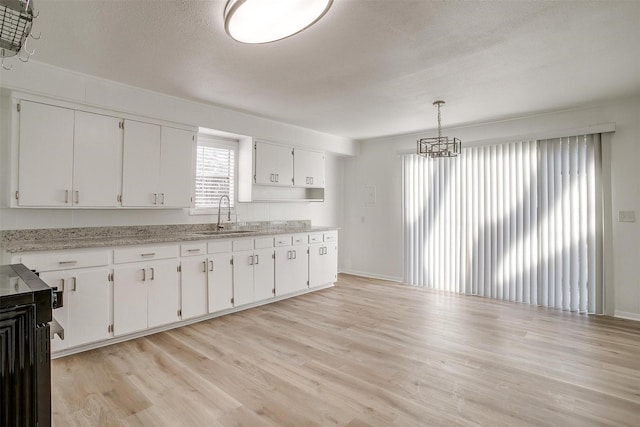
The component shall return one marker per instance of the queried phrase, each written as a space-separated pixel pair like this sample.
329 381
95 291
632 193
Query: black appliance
26 304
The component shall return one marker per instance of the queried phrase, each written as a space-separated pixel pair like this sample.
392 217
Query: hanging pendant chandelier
439 146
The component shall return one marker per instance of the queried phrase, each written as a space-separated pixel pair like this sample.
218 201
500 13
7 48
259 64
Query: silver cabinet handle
210 265
155 198
193 250
288 254
66 196
272 177
77 196
153 273
148 254
144 275
251 260
257 259
204 266
62 285
277 177
74 281
295 255
320 250
162 198
311 180
67 262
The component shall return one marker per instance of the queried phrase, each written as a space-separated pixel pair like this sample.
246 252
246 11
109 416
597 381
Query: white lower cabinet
292 269
193 287
86 310
163 294
253 276
263 274
323 259
220 282
138 288
145 296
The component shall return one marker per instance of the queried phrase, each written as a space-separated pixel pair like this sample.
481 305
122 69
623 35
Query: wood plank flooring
363 353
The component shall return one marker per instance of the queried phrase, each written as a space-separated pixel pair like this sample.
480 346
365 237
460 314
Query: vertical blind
215 168
513 221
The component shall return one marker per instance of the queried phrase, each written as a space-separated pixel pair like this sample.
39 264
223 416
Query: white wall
372 235
56 83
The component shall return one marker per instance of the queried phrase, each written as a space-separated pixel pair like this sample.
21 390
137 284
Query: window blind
215 167
515 222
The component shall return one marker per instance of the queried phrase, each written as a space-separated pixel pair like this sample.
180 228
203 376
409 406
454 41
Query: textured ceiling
370 67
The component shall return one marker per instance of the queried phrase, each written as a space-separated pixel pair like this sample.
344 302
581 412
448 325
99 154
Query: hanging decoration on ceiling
16 23
439 146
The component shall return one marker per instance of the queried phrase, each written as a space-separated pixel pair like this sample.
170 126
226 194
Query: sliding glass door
513 221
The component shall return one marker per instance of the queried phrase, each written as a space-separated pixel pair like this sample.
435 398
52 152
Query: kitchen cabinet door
97 160
273 164
141 164
263 274
88 305
292 269
316 265
330 263
163 293
129 299
308 167
221 282
45 163
193 287
177 168
243 292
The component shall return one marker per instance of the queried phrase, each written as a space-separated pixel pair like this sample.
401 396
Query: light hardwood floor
363 353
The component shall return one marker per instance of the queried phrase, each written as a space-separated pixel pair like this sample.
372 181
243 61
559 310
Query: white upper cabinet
273 172
141 164
158 166
308 168
177 167
68 158
273 164
65 157
97 156
45 155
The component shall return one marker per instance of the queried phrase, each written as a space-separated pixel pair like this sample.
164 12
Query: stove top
19 286
11 283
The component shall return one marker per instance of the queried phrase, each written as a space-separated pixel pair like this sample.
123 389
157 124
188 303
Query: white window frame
218 142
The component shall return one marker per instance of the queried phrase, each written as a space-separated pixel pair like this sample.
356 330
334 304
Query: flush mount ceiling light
262 21
439 146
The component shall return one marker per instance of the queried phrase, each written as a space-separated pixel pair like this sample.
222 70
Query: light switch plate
626 216
369 193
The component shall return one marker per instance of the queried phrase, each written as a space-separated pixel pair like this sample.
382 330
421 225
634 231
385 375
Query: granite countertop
14 241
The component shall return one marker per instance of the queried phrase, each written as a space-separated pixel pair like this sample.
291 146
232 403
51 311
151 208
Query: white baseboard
627 315
373 275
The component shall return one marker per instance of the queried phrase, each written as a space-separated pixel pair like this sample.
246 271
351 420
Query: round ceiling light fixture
264 21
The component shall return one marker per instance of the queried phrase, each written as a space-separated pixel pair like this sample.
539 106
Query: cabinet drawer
283 241
263 242
300 239
190 249
62 261
331 236
243 245
316 238
144 253
219 246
